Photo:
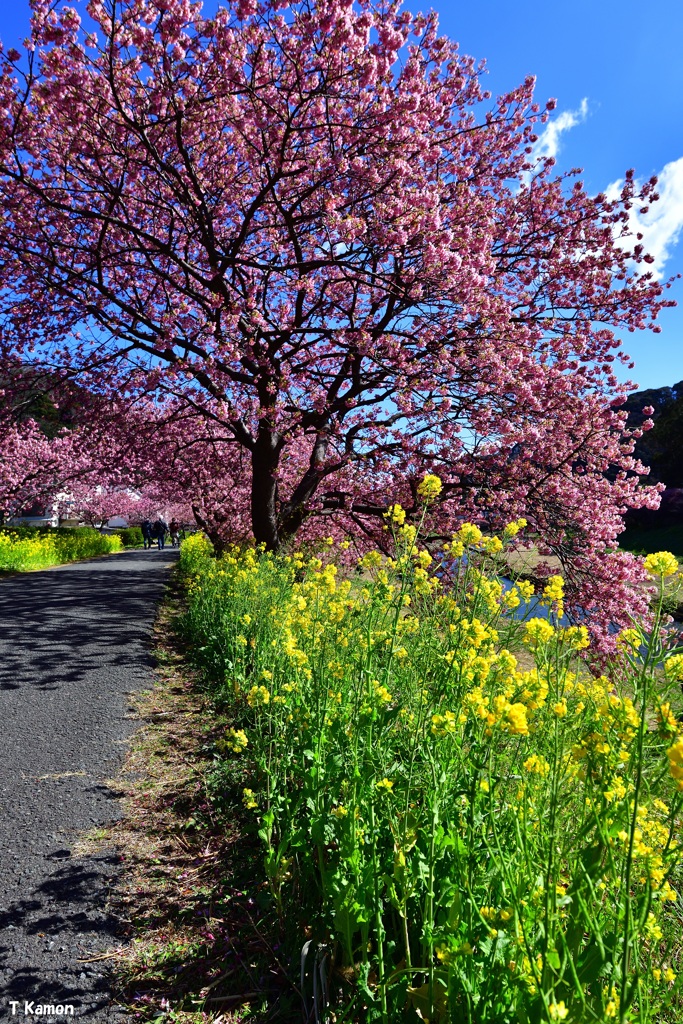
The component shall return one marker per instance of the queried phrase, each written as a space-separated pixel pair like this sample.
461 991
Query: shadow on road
58 625
60 919
75 643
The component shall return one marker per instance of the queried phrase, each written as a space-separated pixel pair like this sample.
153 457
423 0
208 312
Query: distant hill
662 447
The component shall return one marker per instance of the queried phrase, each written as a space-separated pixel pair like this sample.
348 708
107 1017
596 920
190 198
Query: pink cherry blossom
305 232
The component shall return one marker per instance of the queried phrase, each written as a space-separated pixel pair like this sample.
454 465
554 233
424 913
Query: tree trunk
264 488
294 513
214 536
219 545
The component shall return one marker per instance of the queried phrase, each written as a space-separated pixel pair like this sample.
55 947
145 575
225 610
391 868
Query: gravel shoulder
74 644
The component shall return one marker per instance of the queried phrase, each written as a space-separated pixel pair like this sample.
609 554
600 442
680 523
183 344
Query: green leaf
590 964
553 958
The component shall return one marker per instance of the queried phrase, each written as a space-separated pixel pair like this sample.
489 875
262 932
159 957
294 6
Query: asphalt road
74 642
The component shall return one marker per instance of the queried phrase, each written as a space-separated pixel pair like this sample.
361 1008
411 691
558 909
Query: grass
25 549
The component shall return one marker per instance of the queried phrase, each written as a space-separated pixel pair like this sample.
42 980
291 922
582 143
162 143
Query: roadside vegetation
131 536
23 549
458 820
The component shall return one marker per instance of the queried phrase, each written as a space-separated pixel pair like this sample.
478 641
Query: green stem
379 927
625 1000
428 954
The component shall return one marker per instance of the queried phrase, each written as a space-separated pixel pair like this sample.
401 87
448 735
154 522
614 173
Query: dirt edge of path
196 940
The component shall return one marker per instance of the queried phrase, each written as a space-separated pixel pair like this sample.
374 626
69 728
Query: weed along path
74 641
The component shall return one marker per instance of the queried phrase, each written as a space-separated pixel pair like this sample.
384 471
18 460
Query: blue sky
616 70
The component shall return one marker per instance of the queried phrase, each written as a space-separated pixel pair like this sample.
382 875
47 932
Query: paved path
74 641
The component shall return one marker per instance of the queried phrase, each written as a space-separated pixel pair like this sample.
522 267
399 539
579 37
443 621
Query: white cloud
661 225
548 143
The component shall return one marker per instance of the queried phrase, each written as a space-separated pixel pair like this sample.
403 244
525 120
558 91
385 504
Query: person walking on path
146 528
174 532
160 531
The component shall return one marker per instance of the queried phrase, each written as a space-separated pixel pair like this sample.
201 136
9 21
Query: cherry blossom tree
184 463
178 459
309 223
94 503
31 467
61 448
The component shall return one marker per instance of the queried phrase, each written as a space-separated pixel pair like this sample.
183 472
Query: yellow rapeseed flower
675 755
553 593
576 637
383 694
673 668
469 534
513 528
492 545
408 533
443 724
249 799
237 740
257 696
558 1011
511 598
371 560
666 718
662 564
429 487
617 791
538 631
537 765
395 514
516 720
506 661
629 639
